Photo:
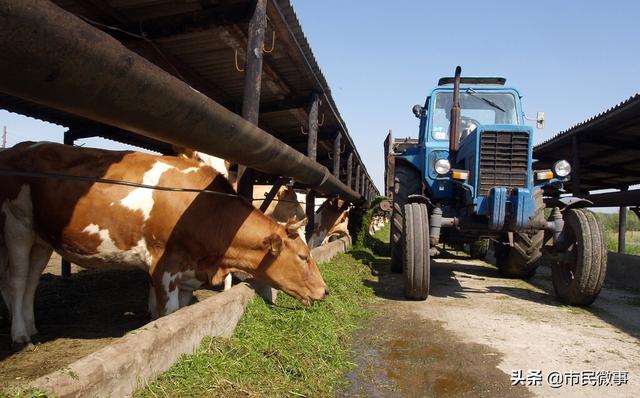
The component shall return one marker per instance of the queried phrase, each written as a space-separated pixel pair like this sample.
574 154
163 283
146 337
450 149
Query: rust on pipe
52 57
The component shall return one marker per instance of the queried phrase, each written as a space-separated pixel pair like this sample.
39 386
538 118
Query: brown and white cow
182 239
331 222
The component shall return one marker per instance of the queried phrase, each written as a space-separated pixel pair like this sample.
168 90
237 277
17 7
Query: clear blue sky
571 59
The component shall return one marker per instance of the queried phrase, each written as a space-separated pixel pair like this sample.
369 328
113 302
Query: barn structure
603 152
157 73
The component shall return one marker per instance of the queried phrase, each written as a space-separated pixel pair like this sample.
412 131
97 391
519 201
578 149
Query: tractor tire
578 273
416 251
521 260
406 181
479 249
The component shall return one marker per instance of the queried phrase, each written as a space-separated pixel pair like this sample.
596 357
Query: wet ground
476 329
76 317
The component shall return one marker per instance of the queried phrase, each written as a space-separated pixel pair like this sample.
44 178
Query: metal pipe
454 127
53 58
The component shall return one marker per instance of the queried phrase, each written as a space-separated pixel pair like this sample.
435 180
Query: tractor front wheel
416 262
406 182
578 273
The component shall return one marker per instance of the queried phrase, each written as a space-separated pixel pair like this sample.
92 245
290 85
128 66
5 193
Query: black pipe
454 126
53 58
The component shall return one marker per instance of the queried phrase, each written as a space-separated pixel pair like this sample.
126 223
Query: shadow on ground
619 308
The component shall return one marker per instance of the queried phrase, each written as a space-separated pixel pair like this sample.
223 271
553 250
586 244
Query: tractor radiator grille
503 160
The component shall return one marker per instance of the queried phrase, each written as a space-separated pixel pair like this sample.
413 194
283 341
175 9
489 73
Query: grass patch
632 244
284 350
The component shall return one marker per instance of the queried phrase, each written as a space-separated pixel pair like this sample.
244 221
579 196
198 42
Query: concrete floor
477 328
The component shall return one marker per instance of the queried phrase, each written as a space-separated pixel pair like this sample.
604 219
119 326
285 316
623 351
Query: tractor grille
503 160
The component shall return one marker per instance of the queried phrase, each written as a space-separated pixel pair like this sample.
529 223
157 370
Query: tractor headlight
562 168
442 166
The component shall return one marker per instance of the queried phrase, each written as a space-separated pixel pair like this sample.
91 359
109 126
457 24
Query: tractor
470 177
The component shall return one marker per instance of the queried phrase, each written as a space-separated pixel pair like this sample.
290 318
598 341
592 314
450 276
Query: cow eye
303 257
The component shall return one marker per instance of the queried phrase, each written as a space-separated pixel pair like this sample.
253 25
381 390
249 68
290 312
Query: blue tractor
469 178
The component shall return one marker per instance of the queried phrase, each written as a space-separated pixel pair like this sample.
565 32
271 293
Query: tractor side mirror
418 111
540 120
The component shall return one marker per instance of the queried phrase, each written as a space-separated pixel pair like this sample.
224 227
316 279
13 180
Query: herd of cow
183 239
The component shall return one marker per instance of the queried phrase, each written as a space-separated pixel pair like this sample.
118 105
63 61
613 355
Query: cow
284 206
331 222
182 239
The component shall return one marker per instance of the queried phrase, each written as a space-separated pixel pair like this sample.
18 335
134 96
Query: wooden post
252 85
575 174
4 137
349 168
357 187
336 155
622 227
65 266
388 165
312 147
364 183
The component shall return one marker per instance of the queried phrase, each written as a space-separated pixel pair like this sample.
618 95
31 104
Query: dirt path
476 329
76 317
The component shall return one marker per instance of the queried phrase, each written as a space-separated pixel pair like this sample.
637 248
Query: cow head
288 264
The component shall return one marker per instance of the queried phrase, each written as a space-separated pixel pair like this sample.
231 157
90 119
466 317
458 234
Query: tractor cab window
476 108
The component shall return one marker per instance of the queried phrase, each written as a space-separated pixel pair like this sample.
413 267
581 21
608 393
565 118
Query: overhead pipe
52 57
454 126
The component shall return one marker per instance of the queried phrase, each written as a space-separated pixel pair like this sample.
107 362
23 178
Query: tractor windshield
476 108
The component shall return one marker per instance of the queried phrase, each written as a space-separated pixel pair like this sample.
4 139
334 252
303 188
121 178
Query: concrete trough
142 355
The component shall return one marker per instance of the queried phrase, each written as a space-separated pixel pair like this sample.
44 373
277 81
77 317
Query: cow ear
274 243
293 225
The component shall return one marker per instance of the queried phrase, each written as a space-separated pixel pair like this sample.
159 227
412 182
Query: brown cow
182 239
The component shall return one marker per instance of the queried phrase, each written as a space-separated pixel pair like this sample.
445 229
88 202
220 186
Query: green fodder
282 350
364 239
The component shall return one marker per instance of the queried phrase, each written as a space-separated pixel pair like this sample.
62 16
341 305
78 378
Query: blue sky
571 59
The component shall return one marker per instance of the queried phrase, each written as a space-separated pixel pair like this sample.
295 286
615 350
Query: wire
99 180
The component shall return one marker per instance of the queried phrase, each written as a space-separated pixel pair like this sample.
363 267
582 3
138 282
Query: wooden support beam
622 227
575 175
358 178
312 151
336 155
349 168
252 85
65 266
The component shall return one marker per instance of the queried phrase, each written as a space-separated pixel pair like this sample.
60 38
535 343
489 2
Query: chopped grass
283 350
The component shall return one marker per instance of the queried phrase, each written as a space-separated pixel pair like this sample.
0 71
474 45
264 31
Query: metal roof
607 147
203 43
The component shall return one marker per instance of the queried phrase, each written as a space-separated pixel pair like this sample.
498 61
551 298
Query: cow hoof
36 339
22 347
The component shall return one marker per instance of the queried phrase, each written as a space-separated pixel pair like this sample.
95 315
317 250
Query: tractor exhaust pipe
454 127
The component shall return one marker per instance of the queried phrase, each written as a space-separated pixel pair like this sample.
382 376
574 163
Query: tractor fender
571 202
419 199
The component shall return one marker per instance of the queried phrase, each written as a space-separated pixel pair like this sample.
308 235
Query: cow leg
153 304
184 297
228 281
19 238
40 254
4 283
167 294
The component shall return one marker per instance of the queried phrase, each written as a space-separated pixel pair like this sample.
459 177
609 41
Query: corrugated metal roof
203 43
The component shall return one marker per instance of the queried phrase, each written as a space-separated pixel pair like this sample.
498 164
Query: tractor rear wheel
520 260
416 251
406 181
578 273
